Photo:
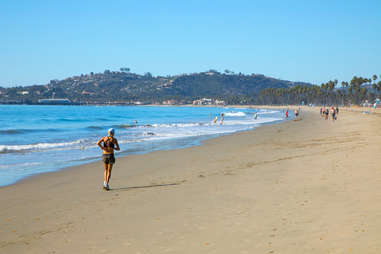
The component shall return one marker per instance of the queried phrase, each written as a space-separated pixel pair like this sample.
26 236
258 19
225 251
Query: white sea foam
184 130
252 121
177 125
267 111
235 114
38 146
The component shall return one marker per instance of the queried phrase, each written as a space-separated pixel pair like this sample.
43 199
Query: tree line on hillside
358 91
124 87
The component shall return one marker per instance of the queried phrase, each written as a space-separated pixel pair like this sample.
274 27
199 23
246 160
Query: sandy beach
309 186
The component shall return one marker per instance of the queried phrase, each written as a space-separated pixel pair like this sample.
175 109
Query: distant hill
130 88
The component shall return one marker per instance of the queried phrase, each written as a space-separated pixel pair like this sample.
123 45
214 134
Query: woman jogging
108 145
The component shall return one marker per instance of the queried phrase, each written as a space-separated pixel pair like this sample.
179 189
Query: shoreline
356 109
200 139
200 143
309 186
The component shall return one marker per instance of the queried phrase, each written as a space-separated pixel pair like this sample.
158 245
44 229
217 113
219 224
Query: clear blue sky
312 41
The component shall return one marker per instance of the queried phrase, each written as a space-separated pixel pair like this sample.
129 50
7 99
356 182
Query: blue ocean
36 139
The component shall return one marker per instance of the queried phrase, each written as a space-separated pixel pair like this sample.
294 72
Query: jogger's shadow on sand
144 186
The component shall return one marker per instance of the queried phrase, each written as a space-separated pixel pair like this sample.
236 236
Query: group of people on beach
333 111
296 113
109 145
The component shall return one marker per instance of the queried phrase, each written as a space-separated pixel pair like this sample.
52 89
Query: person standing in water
255 115
108 145
222 118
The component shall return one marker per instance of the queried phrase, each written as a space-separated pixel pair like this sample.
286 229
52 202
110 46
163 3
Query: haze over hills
124 87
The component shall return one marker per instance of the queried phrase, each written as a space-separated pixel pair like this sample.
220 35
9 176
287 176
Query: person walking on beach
326 113
108 145
333 112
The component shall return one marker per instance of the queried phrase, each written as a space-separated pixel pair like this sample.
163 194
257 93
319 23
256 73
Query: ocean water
38 139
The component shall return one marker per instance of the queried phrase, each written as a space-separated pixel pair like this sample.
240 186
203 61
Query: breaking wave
235 114
36 147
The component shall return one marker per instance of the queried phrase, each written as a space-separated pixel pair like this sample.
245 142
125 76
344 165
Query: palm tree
375 85
378 86
363 94
331 87
343 86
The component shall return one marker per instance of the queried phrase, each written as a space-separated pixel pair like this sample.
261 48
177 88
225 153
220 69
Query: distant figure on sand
108 145
296 114
222 118
326 113
333 112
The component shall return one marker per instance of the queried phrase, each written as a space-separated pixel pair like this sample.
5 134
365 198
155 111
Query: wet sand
309 186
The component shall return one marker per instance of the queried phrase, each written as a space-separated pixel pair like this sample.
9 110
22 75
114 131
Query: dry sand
309 186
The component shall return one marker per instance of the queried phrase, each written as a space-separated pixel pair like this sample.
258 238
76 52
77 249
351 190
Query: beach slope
309 186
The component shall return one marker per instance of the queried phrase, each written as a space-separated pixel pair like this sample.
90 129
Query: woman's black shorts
108 158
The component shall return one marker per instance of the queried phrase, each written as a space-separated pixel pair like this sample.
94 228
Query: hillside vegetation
123 87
